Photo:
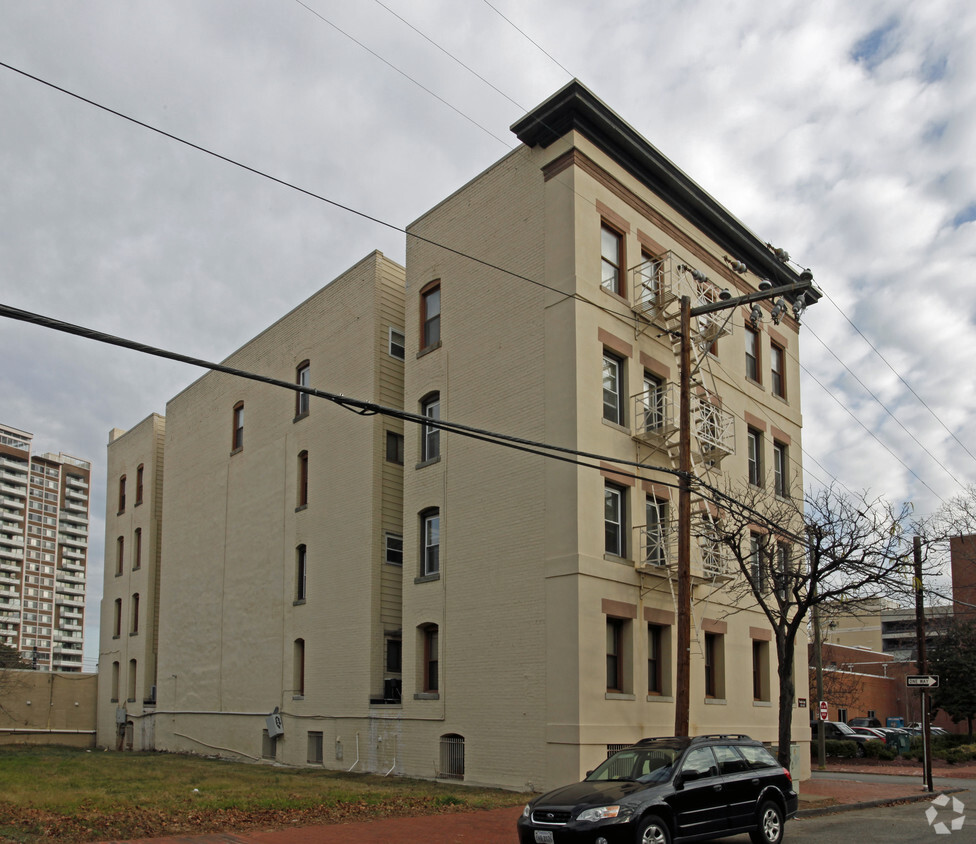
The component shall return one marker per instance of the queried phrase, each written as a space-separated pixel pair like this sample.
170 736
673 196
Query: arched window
117 624
122 494
135 613
301 573
132 679
430 542
139 474
430 443
119 555
430 315
303 479
302 376
115 680
430 650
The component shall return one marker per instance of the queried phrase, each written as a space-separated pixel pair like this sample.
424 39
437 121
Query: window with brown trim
237 431
303 479
430 315
615 654
612 260
655 681
122 494
302 379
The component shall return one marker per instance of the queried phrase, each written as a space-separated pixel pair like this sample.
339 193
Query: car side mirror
679 781
588 773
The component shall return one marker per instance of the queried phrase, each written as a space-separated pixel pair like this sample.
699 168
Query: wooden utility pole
682 696
922 659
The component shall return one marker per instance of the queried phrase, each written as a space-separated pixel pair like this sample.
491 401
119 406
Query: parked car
839 731
864 722
664 790
871 732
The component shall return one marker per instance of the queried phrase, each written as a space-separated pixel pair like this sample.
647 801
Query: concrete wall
43 707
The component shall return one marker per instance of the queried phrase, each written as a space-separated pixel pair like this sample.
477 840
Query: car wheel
860 750
653 830
770 829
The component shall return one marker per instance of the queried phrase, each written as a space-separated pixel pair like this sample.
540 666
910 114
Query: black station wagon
664 790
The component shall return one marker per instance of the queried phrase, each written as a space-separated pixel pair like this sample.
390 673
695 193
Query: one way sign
926 681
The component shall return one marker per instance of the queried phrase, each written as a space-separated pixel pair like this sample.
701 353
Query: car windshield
845 729
637 764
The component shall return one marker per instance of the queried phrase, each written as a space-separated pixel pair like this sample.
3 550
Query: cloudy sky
842 131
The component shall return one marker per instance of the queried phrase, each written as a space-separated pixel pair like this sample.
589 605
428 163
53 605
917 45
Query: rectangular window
431 551
430 445
430 316
394 549
122 494
135 614
431 661
301 572
615 651
651 282
781 470
612 259
754 440
782 571
752 354
777 374
394 447
656 531
298 679
653 403
119 555
760 670
315 748
755 560
237 433
139 473
655 684
303 479
613 403
137 553
398 345
117 624
614 519
302 379
711 678
394 656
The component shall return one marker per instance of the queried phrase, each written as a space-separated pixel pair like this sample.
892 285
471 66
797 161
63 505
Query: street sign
823 710
924 681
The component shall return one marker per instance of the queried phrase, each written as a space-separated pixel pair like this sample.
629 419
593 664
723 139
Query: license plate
543 836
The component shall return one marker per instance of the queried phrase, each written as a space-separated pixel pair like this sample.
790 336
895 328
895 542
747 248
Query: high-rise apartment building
360 591
44 506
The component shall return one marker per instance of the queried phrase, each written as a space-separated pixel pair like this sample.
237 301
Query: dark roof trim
576 107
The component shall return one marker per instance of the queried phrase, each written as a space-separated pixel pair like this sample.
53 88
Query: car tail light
789 776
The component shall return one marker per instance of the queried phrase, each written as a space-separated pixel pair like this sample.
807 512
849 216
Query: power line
403 73
529 39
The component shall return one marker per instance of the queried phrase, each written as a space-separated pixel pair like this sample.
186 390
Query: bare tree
790 555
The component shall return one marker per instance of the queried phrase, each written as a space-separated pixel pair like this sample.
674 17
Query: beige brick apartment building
407 600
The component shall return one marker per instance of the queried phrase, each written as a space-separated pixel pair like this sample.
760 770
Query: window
655 635
842 714
117 624
612 259
394 655
298 668
615 653
394 447
656 531
119 556
431 680
398 344
394 549
132 680
781 483
430 552
613 403
782 569
139 474
430 315
754 441
115 681
613 520
653 403
714 666
760 670
755 560
303 479
315 748
777 375
137 553
430 444
752 354
135 614
122 494
237 432
651 270
301 573
302 375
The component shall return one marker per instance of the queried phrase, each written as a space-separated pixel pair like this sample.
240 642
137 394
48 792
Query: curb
872 804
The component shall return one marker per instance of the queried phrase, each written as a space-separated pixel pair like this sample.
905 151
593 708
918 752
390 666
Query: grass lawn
62 794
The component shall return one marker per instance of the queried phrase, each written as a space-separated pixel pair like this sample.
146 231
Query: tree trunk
785 648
